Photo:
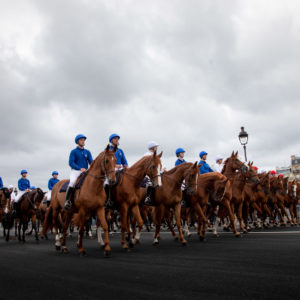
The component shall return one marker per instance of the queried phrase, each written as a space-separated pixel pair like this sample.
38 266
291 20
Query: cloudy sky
183 73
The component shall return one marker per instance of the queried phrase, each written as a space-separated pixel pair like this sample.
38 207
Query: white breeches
73 177
20 194
49 195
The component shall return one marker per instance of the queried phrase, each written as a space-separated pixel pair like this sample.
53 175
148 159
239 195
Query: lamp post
243 137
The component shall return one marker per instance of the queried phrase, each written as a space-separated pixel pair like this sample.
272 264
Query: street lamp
243 137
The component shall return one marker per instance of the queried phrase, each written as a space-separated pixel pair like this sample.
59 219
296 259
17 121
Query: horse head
233 164
154 169
108 164
191 178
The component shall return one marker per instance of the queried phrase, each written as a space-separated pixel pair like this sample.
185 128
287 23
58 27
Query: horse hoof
189 235
237 235
82 254
226 229
245 232
65 251
137 241
58 248
216 236
126 250
184 244
176 239
156 243
202 239
107 254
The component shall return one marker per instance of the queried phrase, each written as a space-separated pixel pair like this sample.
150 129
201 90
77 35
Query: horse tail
47 221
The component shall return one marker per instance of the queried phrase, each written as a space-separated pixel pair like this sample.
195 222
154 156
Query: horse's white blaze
99 234
158 176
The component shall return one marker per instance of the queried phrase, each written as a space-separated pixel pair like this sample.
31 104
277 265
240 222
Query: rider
273 173
51 183
121 163
12 194
218 167
204 167
180 154
152 147
24 186
79 161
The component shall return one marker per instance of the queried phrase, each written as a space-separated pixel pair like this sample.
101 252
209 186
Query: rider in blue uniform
204 167
79 161
1 183
121 163
23 186
180 154
51 183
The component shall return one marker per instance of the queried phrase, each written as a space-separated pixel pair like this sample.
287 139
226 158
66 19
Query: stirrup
109 204
68 205
148 201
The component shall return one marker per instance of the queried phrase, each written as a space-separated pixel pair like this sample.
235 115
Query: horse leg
201 219
64 232
102 220
81 218
159 213
123 217
231 217
137 216
240 217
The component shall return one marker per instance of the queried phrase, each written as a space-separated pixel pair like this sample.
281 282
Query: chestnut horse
127 193
28 206
213 190
90 198
290 200
170 196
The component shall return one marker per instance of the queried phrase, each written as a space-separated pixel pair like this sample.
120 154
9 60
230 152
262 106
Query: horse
290 200
213 189
127 193
6 217
28 205
170 196
90 198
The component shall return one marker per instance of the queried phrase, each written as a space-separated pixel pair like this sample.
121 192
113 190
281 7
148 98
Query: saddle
78 184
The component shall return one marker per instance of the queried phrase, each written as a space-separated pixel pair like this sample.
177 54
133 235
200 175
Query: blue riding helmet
32 187
78 137
24 172
54 173
202 153
179 150
114 135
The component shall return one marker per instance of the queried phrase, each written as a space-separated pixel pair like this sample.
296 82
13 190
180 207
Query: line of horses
238 193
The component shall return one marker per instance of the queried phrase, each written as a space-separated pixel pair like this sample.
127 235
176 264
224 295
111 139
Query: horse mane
173 170
140 160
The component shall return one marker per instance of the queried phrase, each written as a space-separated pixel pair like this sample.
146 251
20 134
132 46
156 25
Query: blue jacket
80 158
120 156
52 182
1 183
179 162
205 168
23 184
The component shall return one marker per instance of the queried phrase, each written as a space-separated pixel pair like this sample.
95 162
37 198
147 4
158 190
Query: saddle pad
78 185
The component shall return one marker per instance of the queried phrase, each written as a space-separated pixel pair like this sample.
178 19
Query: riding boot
149 196
109 202
15 209
69 196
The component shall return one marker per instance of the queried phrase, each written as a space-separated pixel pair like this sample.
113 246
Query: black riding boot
149 196
15 209
109 202
69 195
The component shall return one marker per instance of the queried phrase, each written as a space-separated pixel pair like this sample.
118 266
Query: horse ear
107 148
232 154
160 155
195 164
236 153
115 148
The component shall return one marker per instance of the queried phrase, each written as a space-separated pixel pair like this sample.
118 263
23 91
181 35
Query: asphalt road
257 266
